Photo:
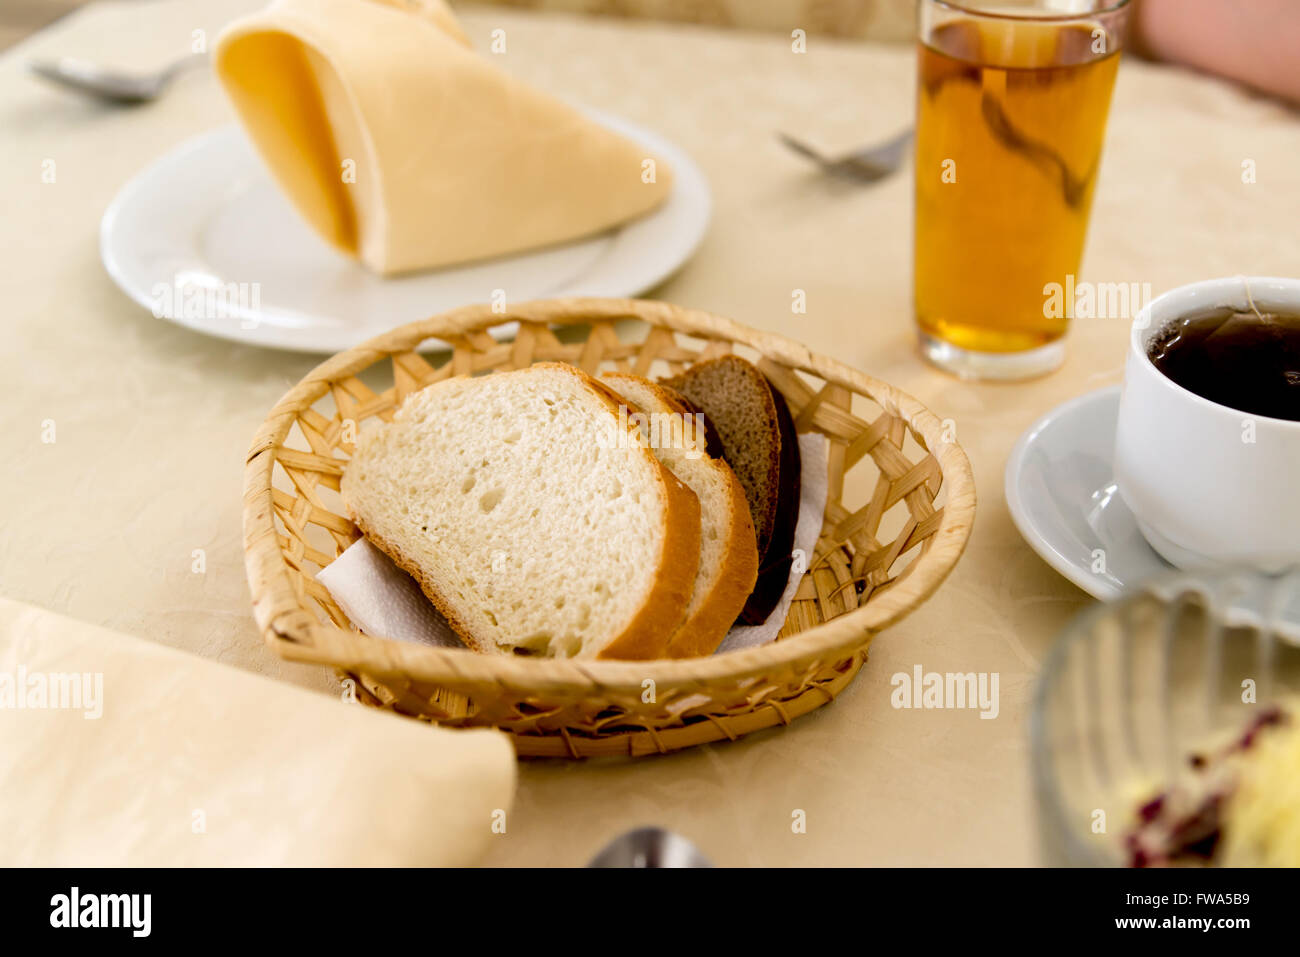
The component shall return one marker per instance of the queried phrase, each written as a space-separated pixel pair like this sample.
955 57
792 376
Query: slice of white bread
728 550
531 524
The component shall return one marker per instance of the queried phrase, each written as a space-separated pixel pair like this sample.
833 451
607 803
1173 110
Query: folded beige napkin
117 751
403 147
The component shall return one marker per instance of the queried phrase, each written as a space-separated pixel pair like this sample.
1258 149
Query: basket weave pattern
876 559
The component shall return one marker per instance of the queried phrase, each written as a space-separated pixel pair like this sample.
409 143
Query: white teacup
1208 484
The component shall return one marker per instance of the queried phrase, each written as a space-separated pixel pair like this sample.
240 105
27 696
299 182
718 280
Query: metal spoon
112 86
650 847
866 165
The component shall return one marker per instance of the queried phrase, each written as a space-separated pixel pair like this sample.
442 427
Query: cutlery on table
875 162
867 165
110 85
650 847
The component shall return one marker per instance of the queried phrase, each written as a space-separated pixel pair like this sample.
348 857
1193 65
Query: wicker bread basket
899 510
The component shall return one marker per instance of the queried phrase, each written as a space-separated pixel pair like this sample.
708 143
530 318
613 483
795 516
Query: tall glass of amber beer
1011 113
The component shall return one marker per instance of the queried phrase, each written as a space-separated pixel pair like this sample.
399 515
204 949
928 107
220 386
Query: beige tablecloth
152 421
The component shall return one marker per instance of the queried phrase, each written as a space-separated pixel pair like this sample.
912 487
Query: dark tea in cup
1249 361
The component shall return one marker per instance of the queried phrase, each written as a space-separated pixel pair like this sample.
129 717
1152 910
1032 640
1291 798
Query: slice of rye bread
527 520
712 442
758 439
728 568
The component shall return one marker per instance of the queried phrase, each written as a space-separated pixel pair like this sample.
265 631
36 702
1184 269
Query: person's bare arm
1256 42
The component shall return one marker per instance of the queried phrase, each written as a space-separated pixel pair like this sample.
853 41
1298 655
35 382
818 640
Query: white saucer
208 214
1060 488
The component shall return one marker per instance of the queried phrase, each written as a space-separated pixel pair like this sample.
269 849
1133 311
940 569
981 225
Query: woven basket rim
295 634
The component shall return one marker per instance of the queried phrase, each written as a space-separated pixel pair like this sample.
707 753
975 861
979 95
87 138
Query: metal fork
876 162
866 165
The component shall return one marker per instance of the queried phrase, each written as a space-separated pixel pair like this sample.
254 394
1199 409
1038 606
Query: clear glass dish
1134 687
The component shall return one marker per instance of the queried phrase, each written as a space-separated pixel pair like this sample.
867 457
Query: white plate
1060 488
208 214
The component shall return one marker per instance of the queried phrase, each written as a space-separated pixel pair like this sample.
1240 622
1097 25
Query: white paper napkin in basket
381 599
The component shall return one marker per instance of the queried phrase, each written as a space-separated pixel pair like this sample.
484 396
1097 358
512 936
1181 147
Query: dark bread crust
774 566
774 468
705 628
738 398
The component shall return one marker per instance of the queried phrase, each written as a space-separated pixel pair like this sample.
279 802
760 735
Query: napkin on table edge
138 754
